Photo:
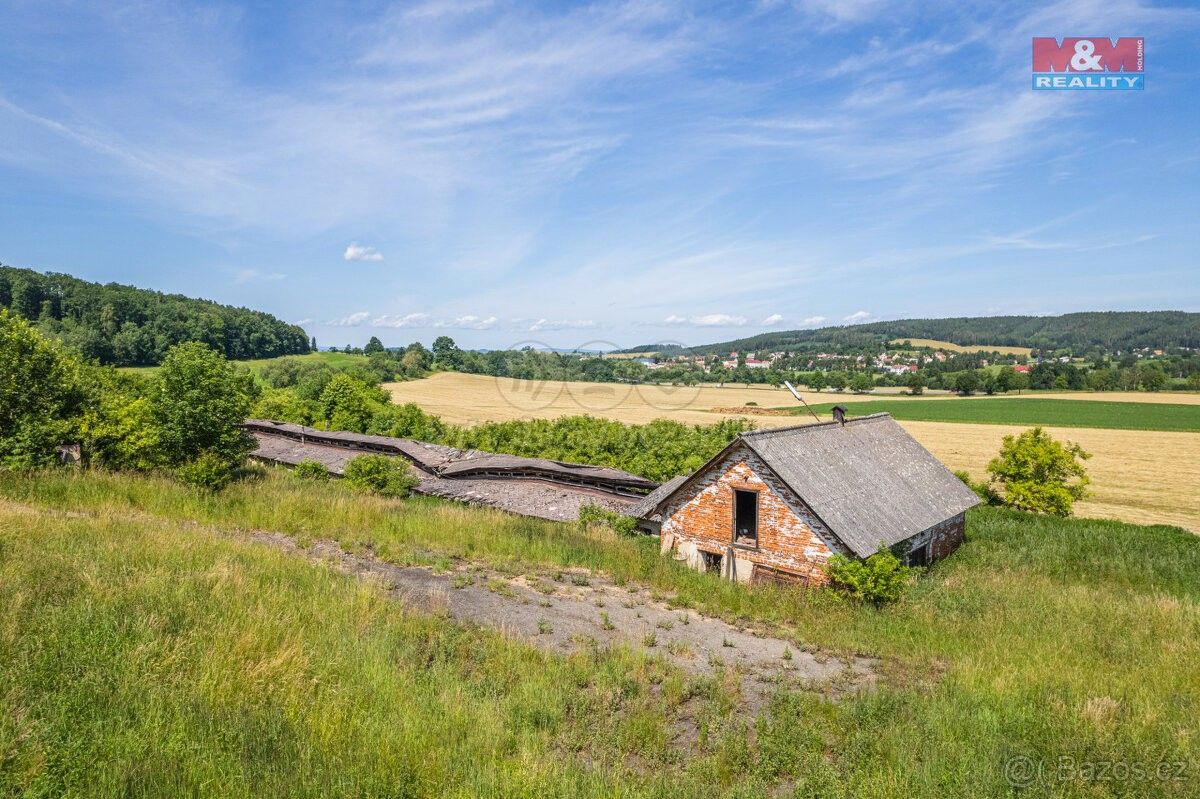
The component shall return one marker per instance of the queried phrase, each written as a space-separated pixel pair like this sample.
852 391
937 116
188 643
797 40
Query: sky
602 174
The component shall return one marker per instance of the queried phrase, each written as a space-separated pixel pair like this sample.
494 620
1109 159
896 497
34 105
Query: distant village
902 364
913 365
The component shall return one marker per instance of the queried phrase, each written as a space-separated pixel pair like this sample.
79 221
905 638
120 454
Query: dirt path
574 609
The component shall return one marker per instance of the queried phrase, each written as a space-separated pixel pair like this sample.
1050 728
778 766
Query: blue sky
599 172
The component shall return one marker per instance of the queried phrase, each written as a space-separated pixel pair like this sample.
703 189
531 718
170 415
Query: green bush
597 515
879 579
208 472
381 474
311 470
1040 474
658 450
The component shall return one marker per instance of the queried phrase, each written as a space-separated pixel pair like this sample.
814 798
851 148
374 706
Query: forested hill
129 326
1080 332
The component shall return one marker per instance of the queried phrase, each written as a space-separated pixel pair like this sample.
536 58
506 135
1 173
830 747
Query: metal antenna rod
796 394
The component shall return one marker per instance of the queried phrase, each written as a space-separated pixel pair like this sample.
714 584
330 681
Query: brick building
774 505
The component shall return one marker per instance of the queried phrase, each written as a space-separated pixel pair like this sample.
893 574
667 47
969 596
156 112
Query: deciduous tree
861 382
1039 474
446 353
41 395
197 402
967 382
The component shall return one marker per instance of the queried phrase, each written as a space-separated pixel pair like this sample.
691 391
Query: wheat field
468 399
1137 476
1140 476
948 347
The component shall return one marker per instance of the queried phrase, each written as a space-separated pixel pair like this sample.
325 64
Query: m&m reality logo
1091 62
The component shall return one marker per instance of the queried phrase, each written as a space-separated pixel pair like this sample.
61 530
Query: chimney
839 414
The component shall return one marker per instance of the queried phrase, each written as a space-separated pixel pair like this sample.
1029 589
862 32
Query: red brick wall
947 536
790 537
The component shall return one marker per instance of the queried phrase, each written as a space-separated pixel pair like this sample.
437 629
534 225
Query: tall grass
141 661
1040 637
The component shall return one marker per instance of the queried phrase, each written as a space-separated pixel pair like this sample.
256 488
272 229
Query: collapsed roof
433 459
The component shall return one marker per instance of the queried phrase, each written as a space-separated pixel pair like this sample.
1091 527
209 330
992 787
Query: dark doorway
918 556
745 517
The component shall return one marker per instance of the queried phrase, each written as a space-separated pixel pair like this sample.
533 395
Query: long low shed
288 443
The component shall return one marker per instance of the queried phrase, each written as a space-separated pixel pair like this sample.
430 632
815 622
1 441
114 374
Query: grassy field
948 347
148 650
331 358
1034 411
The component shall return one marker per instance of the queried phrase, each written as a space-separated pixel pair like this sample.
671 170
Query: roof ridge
813 425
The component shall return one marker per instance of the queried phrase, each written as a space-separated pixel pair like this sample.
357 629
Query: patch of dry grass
1138 476
470 399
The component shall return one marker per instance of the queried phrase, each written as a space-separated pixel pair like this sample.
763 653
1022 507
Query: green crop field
149 648
1030 411
331 358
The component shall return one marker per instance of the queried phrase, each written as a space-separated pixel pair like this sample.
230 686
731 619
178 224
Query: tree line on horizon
1082 333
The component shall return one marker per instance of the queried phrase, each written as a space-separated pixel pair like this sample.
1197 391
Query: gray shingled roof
868 480
647 507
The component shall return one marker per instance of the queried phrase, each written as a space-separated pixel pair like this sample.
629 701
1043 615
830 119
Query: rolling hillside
1105 330
128 326
159 642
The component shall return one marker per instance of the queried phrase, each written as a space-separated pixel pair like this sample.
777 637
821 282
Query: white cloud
811 321
857 316
353 320
561 324
718 320
706 320
359 252
443 8
773 319
842 11
408 320
468 322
